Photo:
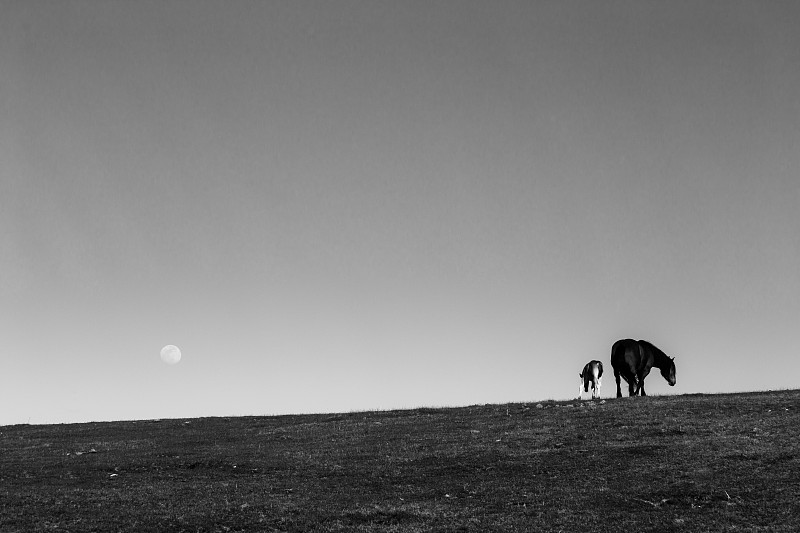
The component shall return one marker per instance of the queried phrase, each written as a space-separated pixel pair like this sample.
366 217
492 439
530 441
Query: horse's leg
619 390
640 385
631 384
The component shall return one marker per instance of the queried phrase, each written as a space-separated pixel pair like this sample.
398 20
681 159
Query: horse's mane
658 355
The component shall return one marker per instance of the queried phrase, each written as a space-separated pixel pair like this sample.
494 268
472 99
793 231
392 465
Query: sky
362 205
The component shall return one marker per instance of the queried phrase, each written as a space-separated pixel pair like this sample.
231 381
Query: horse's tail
597 371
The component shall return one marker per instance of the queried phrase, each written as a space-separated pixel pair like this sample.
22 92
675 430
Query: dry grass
692 463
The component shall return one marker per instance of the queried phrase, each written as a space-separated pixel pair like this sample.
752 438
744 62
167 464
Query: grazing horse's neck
660 359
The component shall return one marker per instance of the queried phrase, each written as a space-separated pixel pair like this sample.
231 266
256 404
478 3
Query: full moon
170 354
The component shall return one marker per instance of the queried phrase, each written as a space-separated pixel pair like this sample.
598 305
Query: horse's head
668 372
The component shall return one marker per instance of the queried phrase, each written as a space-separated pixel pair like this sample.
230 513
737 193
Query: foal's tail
597 372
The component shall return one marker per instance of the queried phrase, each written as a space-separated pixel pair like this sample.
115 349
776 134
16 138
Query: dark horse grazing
633 360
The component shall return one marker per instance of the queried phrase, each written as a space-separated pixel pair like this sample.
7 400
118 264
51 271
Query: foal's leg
631 384
616 376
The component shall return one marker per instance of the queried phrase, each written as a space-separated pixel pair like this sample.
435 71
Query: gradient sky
336 206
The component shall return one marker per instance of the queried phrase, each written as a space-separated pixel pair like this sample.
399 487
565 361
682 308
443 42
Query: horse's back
596 368
592 368
625 355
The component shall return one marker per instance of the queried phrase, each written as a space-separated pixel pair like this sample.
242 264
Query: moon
170 354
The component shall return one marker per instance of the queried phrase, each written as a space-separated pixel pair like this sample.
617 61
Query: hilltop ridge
664 463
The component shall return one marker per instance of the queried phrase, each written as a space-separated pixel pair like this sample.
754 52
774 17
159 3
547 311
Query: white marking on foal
596 381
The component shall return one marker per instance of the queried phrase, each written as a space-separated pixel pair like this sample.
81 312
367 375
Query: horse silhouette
633 360
591 374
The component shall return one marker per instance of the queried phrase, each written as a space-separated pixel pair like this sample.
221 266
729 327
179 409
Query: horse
591 373
633 360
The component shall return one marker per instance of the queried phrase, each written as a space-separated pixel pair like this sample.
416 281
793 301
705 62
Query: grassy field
677 463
